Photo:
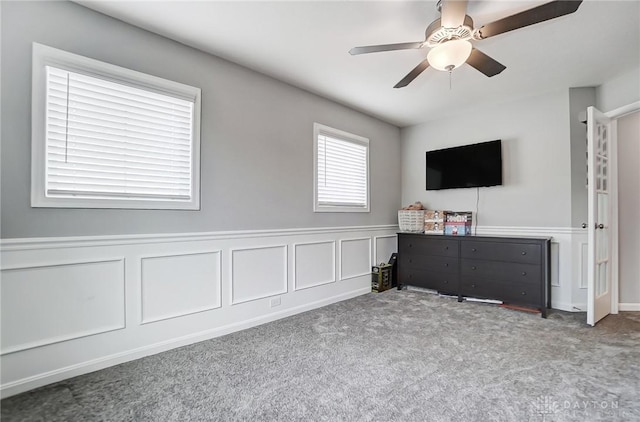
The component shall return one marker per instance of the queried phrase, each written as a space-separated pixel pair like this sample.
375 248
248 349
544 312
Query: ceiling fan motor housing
437 34
450 47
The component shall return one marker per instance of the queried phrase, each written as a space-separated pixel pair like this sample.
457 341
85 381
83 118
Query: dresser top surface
475 237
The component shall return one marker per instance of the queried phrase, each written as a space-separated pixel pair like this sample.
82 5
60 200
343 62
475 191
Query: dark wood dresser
515 270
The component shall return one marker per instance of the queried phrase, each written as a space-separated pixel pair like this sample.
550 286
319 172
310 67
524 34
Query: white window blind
341 171
115 141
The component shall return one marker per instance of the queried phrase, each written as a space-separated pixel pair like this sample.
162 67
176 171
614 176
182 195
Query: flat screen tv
467 166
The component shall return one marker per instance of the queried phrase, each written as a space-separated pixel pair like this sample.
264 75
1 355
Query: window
341 171
108 137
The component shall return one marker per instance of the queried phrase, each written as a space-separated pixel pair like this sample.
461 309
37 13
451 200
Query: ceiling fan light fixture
449 55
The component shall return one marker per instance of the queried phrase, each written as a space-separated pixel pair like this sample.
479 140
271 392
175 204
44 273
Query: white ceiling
306 44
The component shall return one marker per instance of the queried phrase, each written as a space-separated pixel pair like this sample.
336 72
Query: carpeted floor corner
393 356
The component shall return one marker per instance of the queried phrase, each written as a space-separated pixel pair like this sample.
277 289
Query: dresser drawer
501 271
429 263
424 245
495 251
510 293
442 282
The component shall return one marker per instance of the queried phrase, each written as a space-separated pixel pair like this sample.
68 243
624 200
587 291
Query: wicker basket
411 221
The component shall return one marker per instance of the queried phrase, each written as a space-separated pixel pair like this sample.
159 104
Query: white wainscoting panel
584 264
178 285
45 304
355 257
383 247
555 264
258 272
175 289
314 264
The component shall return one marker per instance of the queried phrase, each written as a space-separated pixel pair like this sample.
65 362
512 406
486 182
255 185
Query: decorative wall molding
239 273
555 264
355 258
258 273
312 268
192 290
584 260
528 231
27 383
377 258
36 311
115 240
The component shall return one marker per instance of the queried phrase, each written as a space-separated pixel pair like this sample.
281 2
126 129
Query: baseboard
569 307
629 307
582 307
40 380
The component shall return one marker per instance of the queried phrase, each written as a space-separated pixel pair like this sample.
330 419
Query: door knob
601 226
584 225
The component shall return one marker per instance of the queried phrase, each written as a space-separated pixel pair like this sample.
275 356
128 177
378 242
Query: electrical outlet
275 301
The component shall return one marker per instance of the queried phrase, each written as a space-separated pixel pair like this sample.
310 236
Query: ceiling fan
449 37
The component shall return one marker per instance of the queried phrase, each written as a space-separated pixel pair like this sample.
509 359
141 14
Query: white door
600 151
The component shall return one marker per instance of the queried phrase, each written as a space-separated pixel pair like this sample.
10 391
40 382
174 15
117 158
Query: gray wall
257 149
619 91
579 100
536 162
629 207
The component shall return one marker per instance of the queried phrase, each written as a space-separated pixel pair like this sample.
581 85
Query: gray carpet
393 356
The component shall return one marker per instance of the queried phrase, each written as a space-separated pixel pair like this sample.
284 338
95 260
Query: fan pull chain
450 69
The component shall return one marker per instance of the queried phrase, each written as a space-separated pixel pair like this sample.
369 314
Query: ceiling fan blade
538 14
385 47
453 13
484 63
413 74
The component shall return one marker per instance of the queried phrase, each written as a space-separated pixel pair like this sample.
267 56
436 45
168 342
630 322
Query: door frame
615 114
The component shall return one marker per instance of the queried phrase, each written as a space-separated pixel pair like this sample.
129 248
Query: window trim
43 56
347 137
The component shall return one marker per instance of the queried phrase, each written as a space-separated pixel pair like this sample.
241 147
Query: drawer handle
410 245
473 267
410 275
473 249
446 264
524 253
446 282
473 285
411 260
446 248
523 273
523 293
